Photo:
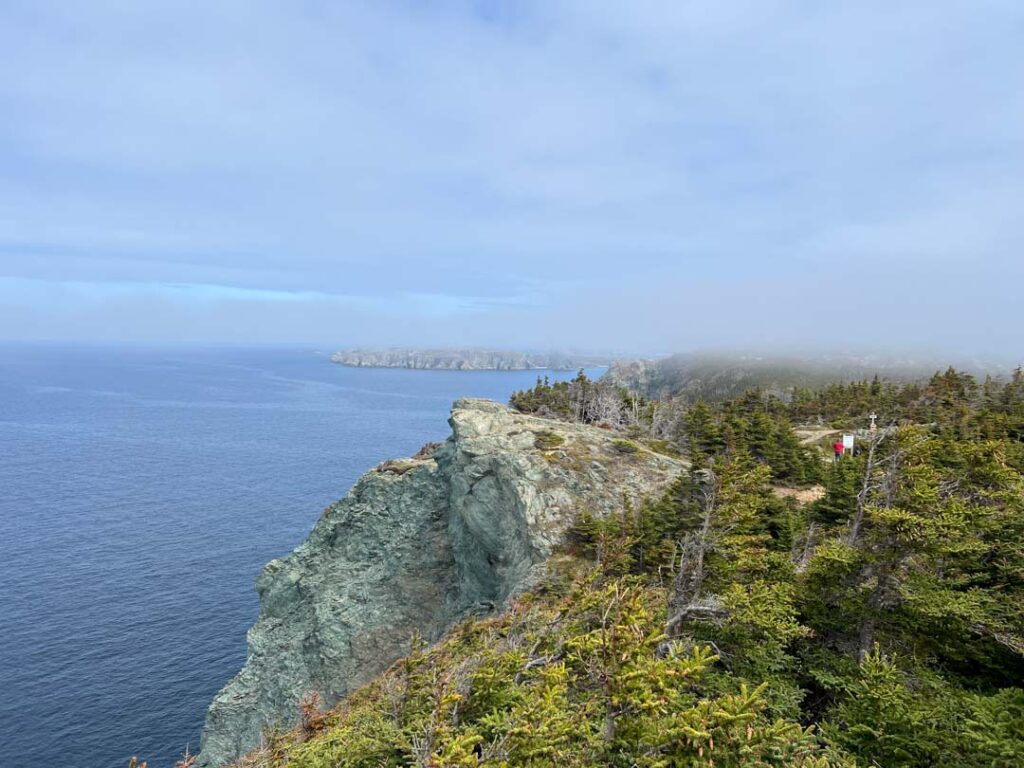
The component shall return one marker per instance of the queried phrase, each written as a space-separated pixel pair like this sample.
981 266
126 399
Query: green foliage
916 545
588 679
545 399
843 482
754 426
953 401
891 715
664 447
586 401
547 440
877 720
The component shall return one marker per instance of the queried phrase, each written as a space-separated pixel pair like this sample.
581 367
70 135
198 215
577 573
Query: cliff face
416 545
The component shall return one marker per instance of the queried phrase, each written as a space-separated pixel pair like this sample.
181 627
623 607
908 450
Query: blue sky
635 175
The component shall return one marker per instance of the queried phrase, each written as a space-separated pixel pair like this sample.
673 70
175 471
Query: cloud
42 294
511 161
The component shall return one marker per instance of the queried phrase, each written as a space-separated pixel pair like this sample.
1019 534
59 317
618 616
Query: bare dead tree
665 419
687 600
808 549
606 406
865 488
634 408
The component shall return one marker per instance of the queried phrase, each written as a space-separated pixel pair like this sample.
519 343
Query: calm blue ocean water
140 493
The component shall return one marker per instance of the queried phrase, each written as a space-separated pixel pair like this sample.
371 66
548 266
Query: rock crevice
455 532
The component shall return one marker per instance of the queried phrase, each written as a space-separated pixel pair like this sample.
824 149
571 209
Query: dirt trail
808 436
802 495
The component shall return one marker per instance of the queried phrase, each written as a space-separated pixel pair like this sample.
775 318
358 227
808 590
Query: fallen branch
706 609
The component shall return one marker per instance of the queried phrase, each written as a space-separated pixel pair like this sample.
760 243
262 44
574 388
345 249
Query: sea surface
141 491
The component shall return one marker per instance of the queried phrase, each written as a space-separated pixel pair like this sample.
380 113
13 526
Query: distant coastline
465 359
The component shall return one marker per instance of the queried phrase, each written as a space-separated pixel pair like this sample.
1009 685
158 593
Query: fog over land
647 177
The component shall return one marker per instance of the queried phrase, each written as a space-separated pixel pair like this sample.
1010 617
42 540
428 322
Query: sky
645 176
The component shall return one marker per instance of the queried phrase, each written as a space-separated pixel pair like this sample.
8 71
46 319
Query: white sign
848 443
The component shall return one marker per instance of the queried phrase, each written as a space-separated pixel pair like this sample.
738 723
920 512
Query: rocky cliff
465 359
416 545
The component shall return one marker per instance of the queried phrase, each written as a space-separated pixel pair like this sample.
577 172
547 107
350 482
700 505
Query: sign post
848 443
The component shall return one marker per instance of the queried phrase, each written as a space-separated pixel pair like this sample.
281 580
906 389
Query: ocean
141 491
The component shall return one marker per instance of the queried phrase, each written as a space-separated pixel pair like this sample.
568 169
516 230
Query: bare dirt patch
809 436
802 495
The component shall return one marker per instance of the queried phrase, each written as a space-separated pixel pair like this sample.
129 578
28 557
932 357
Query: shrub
547 440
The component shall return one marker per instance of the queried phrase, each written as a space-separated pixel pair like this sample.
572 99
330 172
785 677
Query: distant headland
465 359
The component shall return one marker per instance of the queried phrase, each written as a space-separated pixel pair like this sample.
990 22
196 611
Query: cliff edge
415 546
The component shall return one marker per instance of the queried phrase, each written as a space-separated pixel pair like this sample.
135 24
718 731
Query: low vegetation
548 440
625 446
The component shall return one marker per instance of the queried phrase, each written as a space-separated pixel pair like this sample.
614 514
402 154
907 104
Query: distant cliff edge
464 359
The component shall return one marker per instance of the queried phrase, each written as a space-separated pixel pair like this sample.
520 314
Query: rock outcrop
415 546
